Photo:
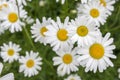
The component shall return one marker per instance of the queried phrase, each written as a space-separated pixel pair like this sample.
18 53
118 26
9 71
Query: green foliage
53 9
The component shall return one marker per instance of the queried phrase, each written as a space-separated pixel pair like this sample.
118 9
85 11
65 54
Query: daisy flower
82 31
97 55
9 76
30 64
57 34
93 11
67 60
62 1
73 77
10 52
11 18
38 30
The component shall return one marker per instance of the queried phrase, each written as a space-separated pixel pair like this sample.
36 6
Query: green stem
29 38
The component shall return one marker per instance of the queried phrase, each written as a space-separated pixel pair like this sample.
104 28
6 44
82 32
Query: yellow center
94 13
42 30
30 63
103 2
67 58
12 17
62 35
82 31
11 52
96 51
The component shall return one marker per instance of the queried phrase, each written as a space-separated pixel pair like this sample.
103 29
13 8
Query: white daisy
11 18
73 77
82 31
30 64
9 76
62 1
10 52
67 60
57 34
97 55
38 30
93 11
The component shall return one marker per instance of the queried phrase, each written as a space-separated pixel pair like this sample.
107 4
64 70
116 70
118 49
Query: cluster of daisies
77 42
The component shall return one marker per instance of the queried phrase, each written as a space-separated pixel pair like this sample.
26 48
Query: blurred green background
53 9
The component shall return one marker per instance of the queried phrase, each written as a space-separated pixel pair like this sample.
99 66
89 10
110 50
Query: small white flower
62 1
82 31
9 76
38 30
57 34
97 55
10 52
67 60
30 64
11 18
93 11
73 77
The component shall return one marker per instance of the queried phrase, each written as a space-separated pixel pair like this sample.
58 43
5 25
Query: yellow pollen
96 51
30 63
42 30
103 2
12 17
82 31
62 35
94 13
11 52
67 58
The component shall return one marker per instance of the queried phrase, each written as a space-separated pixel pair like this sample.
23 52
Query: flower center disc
10 52
82 31
30 63
94 13
67 58
42 30
12 17
96 51
62 35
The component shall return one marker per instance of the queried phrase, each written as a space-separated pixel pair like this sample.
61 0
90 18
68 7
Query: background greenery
53 9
